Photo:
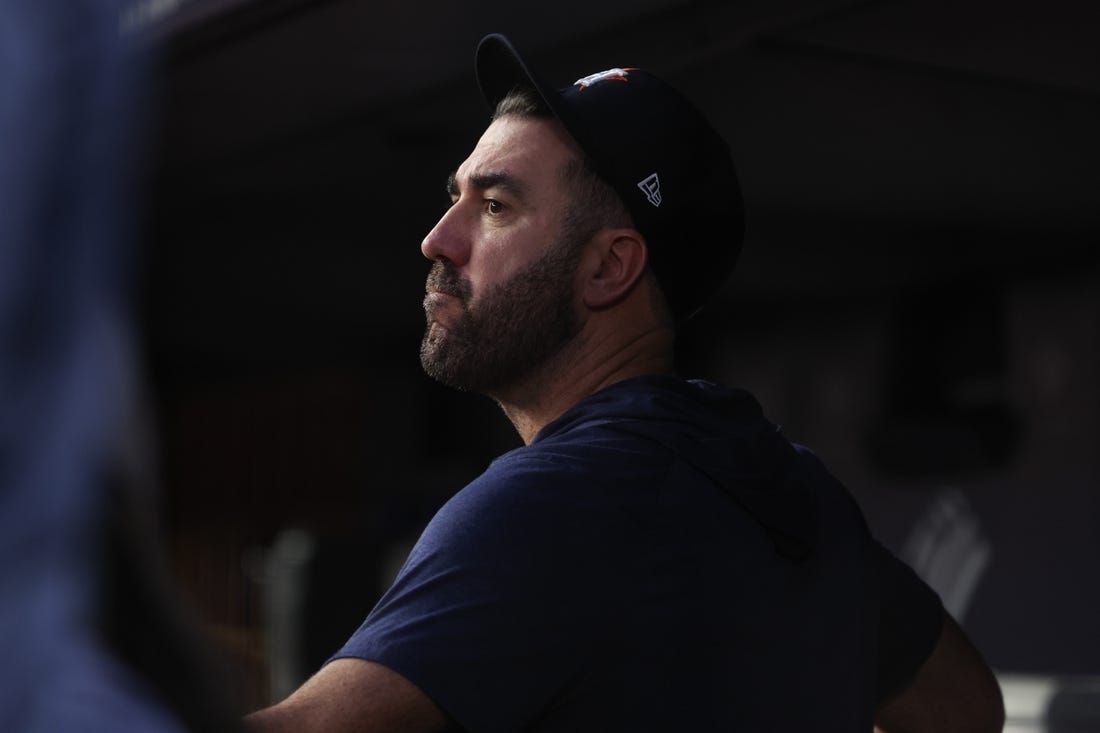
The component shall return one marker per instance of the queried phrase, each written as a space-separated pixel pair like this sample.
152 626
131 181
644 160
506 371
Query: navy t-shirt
658 558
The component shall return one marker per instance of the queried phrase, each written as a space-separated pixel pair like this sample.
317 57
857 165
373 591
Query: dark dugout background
918 299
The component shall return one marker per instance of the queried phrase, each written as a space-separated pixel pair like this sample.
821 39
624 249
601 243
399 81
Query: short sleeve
910 620
488 615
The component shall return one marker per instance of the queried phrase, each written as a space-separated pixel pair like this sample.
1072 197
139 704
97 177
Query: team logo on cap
651 187
615 74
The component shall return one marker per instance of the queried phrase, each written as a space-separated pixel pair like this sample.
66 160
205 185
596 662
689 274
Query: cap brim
500 70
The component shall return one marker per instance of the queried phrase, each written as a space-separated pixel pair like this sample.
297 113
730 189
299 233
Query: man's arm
954 691
352 695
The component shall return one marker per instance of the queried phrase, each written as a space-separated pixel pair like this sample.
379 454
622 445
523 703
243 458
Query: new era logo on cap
651 187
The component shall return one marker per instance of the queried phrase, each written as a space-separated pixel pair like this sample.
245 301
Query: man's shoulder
580 466
587 454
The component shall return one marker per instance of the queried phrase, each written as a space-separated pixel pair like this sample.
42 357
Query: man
657 556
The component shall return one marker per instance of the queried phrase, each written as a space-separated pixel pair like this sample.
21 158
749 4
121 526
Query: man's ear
617 259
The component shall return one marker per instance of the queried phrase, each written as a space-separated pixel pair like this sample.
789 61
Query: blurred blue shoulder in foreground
70 109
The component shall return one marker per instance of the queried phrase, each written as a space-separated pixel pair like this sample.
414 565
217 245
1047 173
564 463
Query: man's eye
492 206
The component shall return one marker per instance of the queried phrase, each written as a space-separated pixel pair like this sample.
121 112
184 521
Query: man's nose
448 239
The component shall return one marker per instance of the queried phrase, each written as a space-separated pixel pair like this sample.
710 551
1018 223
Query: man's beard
509 333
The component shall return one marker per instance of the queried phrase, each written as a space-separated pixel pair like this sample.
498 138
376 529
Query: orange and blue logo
615 74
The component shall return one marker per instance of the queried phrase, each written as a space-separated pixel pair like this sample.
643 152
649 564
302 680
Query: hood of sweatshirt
722 433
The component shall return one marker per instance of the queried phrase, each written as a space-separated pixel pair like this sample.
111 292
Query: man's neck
589 363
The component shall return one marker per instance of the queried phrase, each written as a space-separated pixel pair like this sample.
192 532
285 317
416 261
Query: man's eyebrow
492 179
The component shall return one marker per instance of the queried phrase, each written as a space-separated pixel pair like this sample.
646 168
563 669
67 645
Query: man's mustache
443 278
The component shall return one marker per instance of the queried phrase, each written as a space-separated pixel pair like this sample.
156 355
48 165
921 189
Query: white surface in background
1028 701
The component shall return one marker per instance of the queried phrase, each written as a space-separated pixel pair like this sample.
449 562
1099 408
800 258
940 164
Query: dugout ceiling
302 146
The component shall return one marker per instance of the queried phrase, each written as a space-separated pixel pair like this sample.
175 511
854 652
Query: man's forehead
488 178
519 148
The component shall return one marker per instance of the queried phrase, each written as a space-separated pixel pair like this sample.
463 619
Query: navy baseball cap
671 168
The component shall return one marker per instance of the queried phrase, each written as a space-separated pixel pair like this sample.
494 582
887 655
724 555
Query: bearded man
657 556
